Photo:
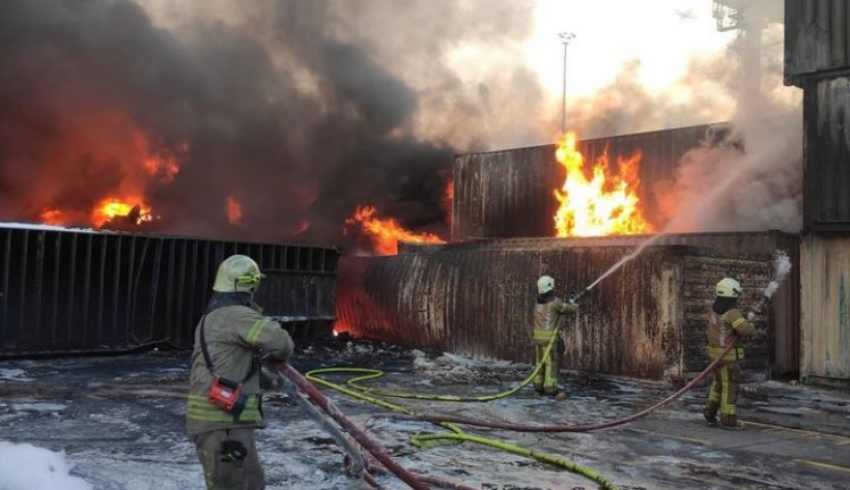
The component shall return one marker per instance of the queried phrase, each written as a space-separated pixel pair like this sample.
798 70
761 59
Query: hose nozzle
575 297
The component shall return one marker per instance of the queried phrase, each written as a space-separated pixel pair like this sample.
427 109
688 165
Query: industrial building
463 310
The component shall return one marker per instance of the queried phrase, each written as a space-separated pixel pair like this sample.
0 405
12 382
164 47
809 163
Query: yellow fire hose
353 389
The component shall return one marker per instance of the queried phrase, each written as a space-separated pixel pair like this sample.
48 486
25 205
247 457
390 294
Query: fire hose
455 434
579 428
374 448
358 464
353 389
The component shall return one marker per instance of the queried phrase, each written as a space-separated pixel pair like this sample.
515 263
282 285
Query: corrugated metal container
826 173
816 39
825 290
784 313
648 319
65 291
509 193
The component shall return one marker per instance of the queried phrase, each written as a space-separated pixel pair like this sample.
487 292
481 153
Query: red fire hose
374 448
573 428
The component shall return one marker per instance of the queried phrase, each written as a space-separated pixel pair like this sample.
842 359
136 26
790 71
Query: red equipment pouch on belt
226 395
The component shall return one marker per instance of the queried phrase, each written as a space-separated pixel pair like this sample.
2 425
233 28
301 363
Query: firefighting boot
730 422
710 413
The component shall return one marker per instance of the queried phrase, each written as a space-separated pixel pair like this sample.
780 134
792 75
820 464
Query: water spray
781 268
634 253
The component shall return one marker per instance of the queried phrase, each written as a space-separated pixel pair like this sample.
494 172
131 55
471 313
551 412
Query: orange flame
234 211
166 168
448 199
55 217
111 208
606 204
385 233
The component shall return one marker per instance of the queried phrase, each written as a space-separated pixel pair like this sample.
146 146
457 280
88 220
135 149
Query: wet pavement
120 421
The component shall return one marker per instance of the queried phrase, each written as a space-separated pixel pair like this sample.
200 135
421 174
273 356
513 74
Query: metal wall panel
826 172
825 292
509 193
76 291
784 310
481 303
816 39
477 298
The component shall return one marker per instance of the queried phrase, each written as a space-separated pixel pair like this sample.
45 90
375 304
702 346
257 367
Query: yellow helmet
545 284
237 273
728 288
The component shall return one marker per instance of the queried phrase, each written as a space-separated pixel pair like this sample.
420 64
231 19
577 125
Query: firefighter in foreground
727 324
548 314
224 406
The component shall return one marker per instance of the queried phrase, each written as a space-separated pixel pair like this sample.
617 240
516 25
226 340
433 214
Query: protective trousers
546 380
723 394
229 458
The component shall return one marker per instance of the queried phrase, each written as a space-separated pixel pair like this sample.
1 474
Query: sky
663 34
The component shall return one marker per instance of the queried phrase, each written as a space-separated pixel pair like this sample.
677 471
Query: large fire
385 233
133 210
605 204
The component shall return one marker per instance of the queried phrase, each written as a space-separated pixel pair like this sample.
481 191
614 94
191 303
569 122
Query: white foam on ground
14 374
27 467
38 407
421 361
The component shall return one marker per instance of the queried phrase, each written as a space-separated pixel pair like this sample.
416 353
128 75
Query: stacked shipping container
509 193
817 59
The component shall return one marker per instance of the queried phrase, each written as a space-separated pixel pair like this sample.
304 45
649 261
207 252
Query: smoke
752 178
294 112
627 106
747 175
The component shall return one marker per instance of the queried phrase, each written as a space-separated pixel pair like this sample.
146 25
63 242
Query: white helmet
545 284
237 273
728 288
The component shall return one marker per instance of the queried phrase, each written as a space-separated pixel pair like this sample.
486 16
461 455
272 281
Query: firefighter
727 324
548 314
224 407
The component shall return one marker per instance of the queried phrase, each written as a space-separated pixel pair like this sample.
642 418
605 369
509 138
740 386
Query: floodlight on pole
566 38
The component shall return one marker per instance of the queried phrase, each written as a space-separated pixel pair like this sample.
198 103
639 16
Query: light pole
566 38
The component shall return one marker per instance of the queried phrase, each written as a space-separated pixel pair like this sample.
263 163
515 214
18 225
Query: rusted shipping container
826 172
816 39
509 193
648 319
784 313
825 290
67 291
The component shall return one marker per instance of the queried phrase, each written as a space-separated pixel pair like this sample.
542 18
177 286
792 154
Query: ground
120 421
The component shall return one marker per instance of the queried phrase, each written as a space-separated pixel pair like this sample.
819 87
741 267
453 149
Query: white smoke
751 179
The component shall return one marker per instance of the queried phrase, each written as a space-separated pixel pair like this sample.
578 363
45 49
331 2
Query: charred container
509 193
79 291
648 319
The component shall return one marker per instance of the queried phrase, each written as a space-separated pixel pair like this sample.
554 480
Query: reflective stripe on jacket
549 315
236 336
720 330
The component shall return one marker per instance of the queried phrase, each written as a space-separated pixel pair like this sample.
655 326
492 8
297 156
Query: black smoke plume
297 110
